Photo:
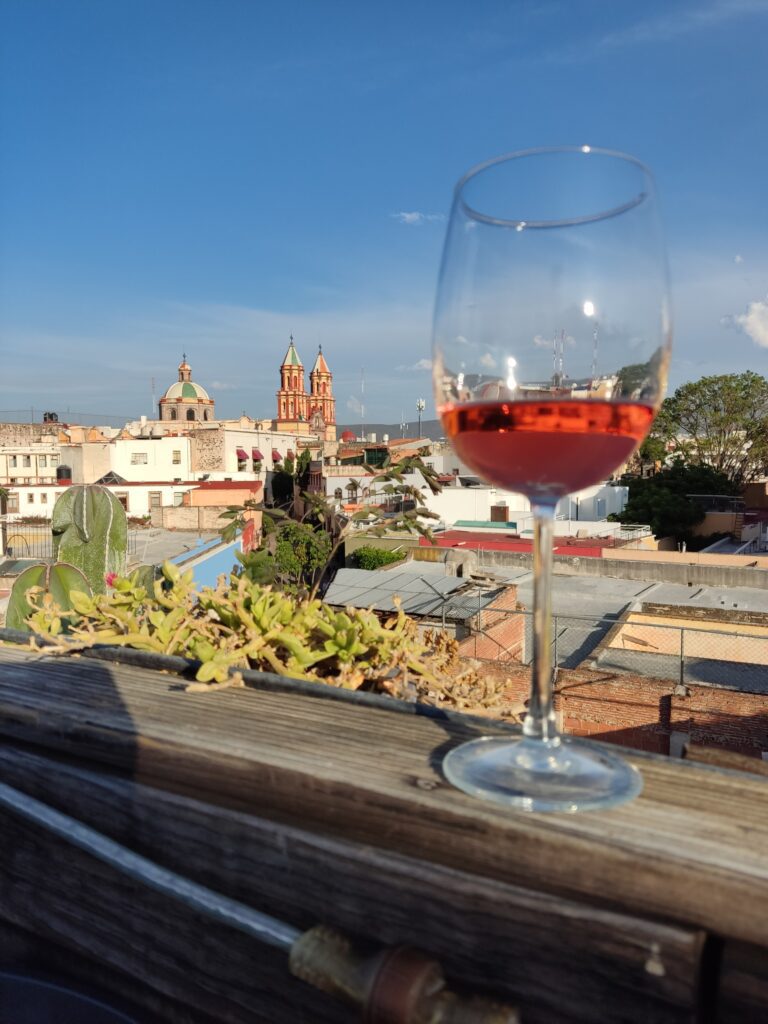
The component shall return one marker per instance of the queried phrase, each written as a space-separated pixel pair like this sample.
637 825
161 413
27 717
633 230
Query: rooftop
422 594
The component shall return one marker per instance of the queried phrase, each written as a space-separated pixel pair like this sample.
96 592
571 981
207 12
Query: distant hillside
432 429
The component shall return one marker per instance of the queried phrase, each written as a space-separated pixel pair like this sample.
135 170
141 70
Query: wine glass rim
520 225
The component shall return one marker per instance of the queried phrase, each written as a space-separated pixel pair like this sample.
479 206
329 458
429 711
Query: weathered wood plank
26 953
374 777
556 958
720 758
65 895
743 997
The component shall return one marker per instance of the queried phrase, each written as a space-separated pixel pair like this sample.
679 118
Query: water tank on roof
63 474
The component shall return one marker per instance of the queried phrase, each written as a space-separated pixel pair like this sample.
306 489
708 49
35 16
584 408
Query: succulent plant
90 530
57 581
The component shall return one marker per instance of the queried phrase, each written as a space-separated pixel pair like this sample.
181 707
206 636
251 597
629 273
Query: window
30 498
13 503
205 415
173 414
122 497
14 479
338 494
26 460
178 498
43 498
155 499
176 460
42 461
13 461
138 458
54 460
190 414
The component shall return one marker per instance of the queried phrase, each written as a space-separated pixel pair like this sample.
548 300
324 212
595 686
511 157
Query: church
299 411
306 412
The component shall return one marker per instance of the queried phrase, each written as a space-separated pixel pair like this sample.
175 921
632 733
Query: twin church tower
298 411
306 412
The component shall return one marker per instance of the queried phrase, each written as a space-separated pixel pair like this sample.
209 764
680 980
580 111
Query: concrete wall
668 572
186 518
221 496
159 455
27 433
689 558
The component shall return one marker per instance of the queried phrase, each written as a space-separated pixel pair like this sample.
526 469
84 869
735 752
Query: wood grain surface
321 810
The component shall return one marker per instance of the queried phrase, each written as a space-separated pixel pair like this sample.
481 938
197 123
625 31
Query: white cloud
354 405
222 385
421 364
754 322
738 258
683 21
487 361
416 217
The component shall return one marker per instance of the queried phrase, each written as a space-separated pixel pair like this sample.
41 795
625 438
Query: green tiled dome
186 390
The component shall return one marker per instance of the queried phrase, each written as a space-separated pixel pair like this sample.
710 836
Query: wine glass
550 351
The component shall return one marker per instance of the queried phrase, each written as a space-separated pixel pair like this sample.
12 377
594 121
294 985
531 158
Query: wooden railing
319 807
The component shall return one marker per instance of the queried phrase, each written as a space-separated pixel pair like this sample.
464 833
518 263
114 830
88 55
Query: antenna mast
362 404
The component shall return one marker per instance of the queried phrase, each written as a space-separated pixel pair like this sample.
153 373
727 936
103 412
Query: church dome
187 389
185 400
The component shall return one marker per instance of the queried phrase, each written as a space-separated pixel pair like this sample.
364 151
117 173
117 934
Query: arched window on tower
205 415
173 414
190 414
295 382
323 387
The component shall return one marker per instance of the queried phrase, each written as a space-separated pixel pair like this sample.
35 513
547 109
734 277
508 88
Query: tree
663 500
282 488
301 552
721 422
321 517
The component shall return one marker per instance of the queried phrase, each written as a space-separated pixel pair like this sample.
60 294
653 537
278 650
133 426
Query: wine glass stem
540 721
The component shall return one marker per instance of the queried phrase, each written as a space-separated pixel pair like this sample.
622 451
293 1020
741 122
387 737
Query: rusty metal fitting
394 985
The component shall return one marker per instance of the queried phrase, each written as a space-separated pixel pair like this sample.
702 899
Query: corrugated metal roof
449 595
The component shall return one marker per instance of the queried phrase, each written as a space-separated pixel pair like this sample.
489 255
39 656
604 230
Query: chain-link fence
726 653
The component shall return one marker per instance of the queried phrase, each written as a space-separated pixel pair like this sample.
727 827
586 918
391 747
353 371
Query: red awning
290 453
276 456
241 455
257 456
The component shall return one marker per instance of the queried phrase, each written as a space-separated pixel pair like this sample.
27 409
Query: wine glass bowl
550 350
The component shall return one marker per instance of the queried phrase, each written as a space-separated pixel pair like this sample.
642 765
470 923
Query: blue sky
210 175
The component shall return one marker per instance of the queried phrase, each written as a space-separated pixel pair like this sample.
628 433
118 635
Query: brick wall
497 635
645 713
640 712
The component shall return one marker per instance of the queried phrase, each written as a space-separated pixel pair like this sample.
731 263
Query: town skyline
182 180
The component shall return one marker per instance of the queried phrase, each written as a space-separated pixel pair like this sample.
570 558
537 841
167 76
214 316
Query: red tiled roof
229 485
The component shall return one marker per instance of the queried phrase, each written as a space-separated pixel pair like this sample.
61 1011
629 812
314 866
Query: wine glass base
564 774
